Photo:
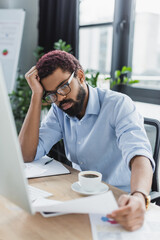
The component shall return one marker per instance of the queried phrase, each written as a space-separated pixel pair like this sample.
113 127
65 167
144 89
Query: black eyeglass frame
47 93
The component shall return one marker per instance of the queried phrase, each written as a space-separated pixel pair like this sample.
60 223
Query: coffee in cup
89 180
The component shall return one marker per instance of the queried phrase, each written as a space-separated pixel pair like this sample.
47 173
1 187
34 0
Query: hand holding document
45 166
105 229
100 204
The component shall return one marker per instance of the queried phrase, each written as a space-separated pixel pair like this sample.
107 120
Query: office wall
30 34
4 4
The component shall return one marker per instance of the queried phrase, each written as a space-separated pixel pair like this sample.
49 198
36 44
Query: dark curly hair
52 60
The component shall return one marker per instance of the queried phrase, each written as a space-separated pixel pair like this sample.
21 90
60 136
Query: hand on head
34 81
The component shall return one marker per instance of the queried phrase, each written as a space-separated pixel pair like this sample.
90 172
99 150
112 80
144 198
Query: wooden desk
18 225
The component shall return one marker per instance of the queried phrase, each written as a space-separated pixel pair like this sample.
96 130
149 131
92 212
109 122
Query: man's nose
60 97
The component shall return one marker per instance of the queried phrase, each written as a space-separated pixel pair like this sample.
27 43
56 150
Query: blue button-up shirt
108 136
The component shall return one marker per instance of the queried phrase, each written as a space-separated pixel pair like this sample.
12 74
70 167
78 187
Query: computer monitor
13 183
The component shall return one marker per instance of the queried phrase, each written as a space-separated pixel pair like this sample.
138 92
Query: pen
48 161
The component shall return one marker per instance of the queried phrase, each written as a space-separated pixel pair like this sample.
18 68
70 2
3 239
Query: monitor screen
13 183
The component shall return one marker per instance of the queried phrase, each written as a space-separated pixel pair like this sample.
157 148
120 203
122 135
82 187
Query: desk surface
17 224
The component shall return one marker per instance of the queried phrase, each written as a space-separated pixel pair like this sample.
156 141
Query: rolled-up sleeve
132 139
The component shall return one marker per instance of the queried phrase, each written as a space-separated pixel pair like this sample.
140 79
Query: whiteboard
11 30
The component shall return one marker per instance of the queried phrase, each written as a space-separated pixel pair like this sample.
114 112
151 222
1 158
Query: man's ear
81 76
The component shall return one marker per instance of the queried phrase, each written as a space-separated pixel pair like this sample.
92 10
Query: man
101 131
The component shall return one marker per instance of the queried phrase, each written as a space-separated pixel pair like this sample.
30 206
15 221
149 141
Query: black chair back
152 127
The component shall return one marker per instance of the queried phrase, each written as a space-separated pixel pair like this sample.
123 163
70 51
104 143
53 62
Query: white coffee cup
89 180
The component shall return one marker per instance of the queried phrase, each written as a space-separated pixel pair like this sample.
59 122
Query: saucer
100 189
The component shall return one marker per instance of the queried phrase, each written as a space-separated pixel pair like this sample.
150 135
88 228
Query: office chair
152 127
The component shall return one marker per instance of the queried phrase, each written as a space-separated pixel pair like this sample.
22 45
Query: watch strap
147 198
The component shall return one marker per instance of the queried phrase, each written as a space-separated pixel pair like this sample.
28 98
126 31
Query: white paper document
39 168
105 229
36 193
33 171
101 204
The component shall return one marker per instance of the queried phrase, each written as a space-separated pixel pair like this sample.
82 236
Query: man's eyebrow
59 85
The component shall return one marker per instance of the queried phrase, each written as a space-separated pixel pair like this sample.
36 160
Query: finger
123 200
31 70
132 225
34 73
130 218
133 205
38 78
122 211
131 221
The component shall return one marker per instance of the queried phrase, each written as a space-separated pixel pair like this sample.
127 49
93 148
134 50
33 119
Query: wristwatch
146 197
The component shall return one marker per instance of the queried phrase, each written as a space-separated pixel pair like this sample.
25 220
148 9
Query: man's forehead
55 79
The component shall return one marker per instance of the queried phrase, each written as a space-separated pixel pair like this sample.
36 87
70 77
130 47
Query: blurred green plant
20 100
121 77
61 45
91 77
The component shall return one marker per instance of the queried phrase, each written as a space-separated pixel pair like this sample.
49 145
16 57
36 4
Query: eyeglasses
51 96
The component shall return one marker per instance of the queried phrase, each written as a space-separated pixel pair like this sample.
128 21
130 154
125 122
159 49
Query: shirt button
79 123
79 142
81 163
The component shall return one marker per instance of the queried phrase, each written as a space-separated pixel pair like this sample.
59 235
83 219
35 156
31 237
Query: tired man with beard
101 130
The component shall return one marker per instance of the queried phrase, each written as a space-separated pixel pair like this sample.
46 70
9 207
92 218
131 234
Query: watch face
148 199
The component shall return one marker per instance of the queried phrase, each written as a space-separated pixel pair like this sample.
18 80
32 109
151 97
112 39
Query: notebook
43 167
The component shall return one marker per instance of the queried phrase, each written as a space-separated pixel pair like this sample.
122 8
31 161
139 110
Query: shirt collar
93 106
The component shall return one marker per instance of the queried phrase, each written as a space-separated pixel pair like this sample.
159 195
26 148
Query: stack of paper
101 204
39 168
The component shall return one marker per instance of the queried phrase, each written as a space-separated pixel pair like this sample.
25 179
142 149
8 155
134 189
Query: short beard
78 104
